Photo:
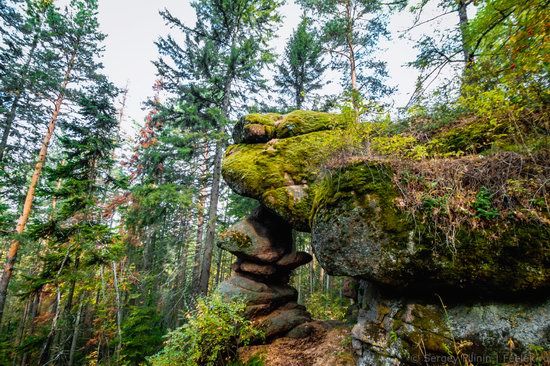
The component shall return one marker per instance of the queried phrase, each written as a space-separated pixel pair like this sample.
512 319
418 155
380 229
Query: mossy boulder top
255 128
398 210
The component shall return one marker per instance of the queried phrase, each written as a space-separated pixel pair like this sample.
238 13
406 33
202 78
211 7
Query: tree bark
212 218
24 218
215 192
76 331
463 25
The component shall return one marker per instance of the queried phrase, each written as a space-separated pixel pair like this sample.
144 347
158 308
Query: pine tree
302 66
26 83
219 65
75 40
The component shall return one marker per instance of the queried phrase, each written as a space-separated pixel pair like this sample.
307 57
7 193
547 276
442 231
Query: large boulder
379 213
460 212
359 230
394 330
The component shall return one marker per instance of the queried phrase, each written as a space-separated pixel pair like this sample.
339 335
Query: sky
132 26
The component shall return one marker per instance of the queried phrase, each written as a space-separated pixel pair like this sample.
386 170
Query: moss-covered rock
394 330
279 172
263 236
255 128
462 213
358 230
377 212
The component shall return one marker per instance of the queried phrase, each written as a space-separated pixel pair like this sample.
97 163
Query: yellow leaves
510 344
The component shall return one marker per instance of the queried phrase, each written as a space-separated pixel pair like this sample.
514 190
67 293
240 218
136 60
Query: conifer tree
219 65
302 66
75 44
351 31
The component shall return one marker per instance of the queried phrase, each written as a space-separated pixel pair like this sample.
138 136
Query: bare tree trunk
24 218
76 331
118 312
200 224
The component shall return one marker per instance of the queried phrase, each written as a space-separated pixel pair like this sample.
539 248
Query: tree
302 66
443 48
76 229
350 31
76 40
485 50
220 64
508 39
27 82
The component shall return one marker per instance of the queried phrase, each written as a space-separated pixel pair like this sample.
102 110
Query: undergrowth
211 336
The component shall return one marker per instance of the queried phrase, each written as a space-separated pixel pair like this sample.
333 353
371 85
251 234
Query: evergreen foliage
302 66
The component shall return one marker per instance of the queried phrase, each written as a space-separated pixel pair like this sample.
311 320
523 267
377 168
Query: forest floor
328 345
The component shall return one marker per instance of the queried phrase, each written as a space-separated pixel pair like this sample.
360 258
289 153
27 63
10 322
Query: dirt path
328 345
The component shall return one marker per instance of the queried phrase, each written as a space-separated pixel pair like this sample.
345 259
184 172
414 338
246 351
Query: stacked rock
264 246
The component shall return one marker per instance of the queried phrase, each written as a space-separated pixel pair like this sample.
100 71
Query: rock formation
263 244
451 247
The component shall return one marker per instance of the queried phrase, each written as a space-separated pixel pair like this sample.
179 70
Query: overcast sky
132 27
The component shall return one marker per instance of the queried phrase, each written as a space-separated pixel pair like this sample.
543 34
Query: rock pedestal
264 246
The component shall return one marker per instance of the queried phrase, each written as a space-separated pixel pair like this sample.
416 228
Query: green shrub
141 335
484 205
211 337
323 306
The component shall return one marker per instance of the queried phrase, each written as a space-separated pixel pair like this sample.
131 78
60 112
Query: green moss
473 137
366 185
242 240
264 170
266 119
482 257
302 122
396 144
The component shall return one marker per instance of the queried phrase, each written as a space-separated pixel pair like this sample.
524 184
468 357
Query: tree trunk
118 312
32 325
24 218
200 225
352 62
21 328
212 218
76 330
463 24
45 354
215 192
